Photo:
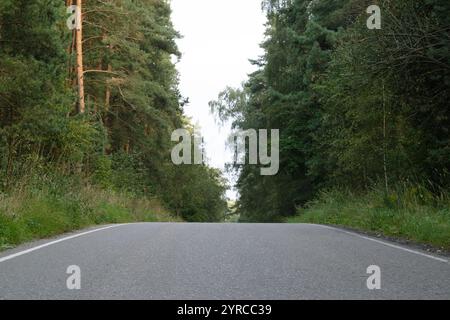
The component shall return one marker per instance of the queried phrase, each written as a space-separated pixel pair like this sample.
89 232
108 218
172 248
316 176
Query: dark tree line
356 108
122 141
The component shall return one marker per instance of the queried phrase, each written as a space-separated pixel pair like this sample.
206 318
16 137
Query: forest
85 134
89 100
363 114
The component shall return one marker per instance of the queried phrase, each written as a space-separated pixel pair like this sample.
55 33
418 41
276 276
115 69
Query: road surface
220 261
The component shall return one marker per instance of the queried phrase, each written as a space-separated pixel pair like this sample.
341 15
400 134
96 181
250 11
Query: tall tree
356 107
121 77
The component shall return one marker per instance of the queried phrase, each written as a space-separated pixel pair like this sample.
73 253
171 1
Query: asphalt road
220 261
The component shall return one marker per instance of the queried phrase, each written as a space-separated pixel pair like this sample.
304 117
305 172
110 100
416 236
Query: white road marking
21 253
387 244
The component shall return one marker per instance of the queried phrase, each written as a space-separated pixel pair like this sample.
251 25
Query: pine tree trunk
80 72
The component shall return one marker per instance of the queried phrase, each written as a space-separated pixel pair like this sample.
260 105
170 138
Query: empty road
220 261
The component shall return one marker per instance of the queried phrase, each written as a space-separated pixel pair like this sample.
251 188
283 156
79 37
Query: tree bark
79 46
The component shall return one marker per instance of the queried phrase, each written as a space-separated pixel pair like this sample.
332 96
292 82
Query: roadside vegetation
68 159
361 110
47 210
412 213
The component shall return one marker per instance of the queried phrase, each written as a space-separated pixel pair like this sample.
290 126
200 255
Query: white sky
219 36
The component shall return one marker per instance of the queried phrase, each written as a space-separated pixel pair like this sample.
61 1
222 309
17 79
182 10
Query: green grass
410 213
29 215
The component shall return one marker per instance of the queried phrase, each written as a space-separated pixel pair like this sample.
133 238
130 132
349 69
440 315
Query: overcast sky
219 37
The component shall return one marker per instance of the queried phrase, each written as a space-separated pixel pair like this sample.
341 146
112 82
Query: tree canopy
133 104
356 107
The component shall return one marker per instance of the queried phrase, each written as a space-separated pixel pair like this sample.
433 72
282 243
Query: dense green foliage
415 215
43 211
355 107
122 143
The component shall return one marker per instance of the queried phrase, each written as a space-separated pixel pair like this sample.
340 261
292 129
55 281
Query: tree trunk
80 71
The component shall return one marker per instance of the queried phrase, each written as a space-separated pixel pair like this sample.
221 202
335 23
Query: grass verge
412 214
33 214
